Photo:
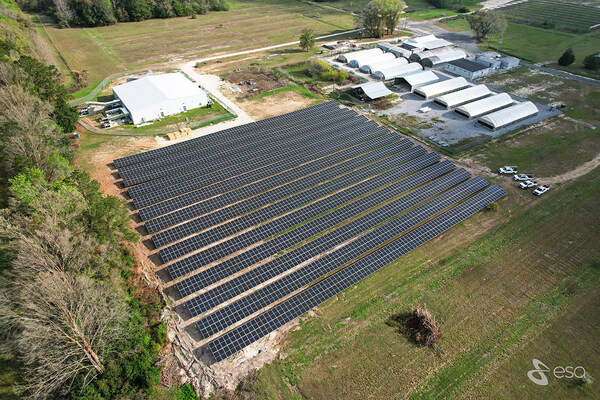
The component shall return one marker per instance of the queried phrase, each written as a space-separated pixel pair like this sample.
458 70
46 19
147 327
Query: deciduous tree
485 23
307 39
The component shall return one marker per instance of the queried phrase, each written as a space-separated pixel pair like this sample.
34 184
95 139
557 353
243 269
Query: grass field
496 299
561 15
249 24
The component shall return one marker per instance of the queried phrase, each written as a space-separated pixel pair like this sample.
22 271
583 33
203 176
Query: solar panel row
252 148
312 173
223 134
263 324
239 262
269 159
227 291
180 249
339 143
245 221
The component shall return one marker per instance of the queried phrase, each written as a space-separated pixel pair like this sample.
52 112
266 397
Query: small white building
467 68
371 91
508 116
440 88
417 79
157 96
484 106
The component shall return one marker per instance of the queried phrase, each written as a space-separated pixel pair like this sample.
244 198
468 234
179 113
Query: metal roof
443 57
509 115
375 90
430 53
484 106
421 78
467 65
439 88
426 42
374 60
395 71
383 63
149 91
463 96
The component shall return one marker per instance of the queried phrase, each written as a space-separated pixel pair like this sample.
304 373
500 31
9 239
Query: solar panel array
259 223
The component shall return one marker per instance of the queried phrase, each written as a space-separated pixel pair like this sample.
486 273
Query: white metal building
388 73
157 96
484 106
441 88
442 58
468 69
371 90
418 56
464 96
428 42
508 116
416 80
358 55
387 63
395 49
365 65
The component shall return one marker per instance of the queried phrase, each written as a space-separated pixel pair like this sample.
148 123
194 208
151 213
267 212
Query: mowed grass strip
103 51
491 297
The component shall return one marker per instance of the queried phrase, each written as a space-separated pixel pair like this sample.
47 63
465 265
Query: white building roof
444 57
484 106
421 78
463 96
384 64
375 90
145 93
426 42
379 58
509 115
430 53
395 71
356 55
439 88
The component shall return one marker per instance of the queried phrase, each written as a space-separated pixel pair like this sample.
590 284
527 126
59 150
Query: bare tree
64 328
64 12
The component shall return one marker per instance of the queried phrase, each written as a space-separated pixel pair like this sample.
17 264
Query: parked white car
527 184
523 177
540 190
508 170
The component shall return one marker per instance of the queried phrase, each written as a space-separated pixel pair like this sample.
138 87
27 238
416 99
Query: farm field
560 15
103 51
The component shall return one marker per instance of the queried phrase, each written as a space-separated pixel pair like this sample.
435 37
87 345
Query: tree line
379 17
74 314
108 12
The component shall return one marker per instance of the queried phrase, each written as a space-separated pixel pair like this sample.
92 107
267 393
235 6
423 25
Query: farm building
417 79
509 62
374 60
153 97
418 56
467 68
358 55
484 106
442 58
440 88
508 116
428 42
395 49
389 73
464 96
488 59
371 91
371 67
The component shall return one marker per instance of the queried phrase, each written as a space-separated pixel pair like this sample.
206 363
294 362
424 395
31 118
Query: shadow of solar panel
247 333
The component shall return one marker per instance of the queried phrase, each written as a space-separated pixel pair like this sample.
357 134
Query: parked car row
526 181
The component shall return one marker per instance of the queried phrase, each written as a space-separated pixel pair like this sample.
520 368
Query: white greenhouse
441 88
157 96
418 79
443 57
484 106
397 71
365 65
371 66
508 116
464 96
359 55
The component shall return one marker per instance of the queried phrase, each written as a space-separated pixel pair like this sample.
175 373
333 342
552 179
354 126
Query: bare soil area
276 104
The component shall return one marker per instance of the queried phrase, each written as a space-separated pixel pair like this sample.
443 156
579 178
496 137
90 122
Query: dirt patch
276 104
254 80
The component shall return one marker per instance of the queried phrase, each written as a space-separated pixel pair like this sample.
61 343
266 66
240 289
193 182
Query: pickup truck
540 190
523 177
508 170
527 184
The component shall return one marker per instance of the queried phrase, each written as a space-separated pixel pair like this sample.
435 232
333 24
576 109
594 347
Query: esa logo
538 375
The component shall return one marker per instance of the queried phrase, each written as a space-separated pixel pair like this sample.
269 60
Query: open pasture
560 15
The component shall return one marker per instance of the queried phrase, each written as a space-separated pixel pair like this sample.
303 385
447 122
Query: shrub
421 327
567 58
493 206
592 61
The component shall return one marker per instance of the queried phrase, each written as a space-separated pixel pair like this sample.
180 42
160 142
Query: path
573 174
562 74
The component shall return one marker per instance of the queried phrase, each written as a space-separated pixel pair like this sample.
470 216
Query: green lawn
457 25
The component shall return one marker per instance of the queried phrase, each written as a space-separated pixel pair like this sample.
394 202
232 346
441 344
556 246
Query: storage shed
509 62
157 96
440 88
365 65
355 55
467 68
442 58
416 80
489 60
464 96
371 91
393 72
383 64
508 116
484 106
